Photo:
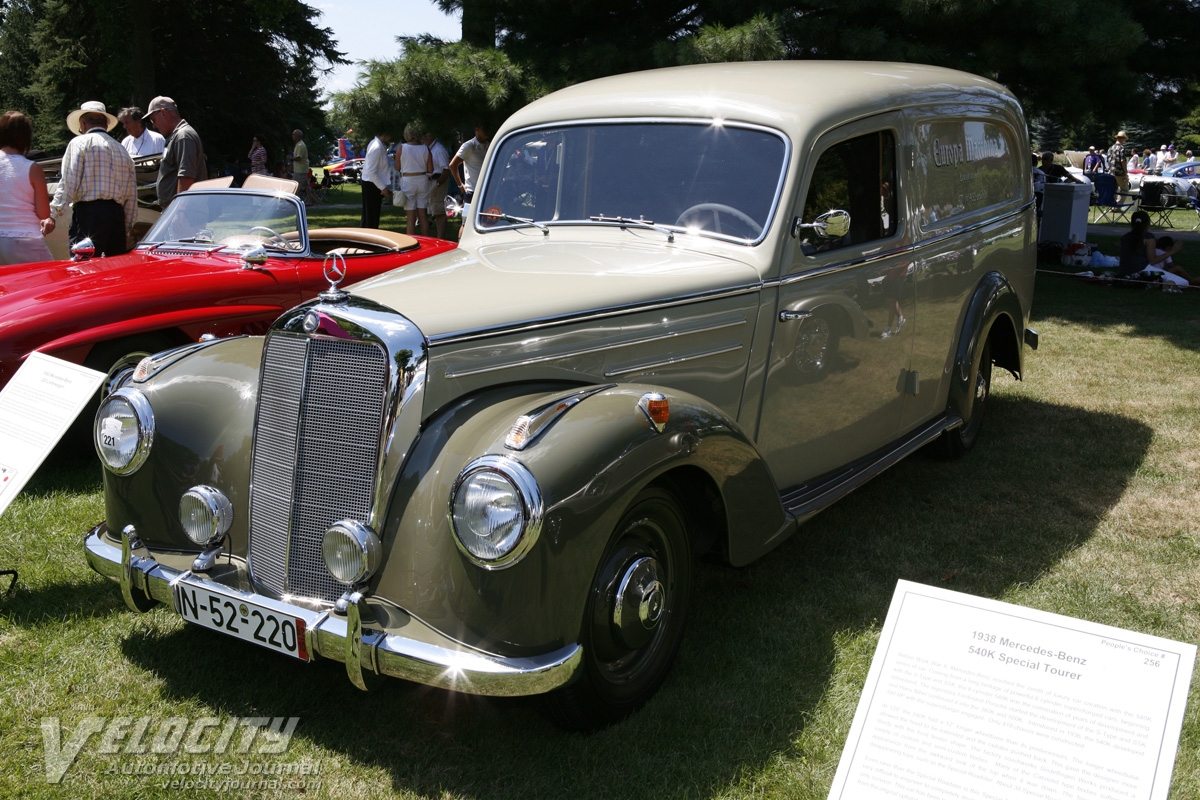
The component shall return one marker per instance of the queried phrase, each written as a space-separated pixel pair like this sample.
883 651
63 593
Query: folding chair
1108 200
1153 203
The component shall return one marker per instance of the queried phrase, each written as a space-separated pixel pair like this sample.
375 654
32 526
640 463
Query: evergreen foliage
235 67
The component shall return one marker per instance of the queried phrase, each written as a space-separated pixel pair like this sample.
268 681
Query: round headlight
124 430
352 551
205 514
496 511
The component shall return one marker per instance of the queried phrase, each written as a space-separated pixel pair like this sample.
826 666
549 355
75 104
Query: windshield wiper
518 220
636 223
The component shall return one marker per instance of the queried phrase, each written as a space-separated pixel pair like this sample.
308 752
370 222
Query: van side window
858 176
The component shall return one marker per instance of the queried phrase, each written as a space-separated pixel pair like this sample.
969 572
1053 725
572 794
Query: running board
802 502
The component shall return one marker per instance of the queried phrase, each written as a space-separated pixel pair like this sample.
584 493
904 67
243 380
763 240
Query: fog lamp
124 430
495 511
352 551
205 514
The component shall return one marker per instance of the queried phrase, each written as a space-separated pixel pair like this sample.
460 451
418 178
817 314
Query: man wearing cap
183 160
97 182
1117 158
1092 162
141 141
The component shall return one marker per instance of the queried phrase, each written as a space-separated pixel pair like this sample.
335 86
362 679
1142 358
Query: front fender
589 465
994 305
204 420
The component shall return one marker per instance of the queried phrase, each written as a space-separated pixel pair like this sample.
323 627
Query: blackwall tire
636 611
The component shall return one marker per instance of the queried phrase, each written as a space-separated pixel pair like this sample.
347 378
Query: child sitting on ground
1167 268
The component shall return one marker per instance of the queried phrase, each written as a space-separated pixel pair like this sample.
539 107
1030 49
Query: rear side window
859 176
966 170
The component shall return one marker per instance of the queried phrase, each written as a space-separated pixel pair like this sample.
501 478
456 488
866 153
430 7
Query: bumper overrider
326 634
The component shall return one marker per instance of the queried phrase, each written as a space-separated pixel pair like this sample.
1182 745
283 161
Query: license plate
242 619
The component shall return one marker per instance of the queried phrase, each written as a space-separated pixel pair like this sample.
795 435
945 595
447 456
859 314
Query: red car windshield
236 219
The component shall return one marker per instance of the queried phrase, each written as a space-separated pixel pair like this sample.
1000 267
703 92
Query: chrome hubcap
639 604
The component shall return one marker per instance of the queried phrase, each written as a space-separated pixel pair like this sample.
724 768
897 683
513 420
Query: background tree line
235 67
1082 68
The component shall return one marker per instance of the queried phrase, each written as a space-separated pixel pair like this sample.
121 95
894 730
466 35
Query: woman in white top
24 201
415 165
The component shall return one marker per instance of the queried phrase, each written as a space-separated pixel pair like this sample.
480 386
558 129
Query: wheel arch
993 316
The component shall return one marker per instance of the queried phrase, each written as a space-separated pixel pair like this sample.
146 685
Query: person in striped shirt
97 182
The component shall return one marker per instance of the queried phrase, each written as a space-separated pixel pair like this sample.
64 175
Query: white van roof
794 96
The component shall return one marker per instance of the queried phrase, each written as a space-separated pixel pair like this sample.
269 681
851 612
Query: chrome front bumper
448 665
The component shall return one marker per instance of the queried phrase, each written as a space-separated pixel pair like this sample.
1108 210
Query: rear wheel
636 609
958 442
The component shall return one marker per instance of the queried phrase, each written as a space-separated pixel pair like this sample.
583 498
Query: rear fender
994 310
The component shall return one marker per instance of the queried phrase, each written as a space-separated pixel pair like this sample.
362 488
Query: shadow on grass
759 654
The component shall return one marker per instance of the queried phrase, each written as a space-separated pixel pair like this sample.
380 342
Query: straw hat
90 107
1122 136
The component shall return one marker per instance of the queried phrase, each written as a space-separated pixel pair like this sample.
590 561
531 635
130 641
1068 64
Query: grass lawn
1081 499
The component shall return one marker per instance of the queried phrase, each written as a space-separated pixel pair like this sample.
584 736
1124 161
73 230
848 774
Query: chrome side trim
459 337
734 322
639 366
537 422
913 250
450 665
840 266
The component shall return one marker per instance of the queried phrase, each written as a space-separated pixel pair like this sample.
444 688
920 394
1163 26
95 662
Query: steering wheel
272 235
717 209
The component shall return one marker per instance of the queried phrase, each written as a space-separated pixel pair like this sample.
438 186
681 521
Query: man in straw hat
1116 162
183 160
97 182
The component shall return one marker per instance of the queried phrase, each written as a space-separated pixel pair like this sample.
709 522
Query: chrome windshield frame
148 244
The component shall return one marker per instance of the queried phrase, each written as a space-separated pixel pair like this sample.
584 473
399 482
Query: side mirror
83 250
255 257
832 224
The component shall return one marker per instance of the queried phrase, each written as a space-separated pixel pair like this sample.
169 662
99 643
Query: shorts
437 198
23 250
415 189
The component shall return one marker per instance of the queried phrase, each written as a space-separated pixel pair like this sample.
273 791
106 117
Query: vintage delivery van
691 308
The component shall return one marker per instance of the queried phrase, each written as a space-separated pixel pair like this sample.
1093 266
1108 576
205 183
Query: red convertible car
218 261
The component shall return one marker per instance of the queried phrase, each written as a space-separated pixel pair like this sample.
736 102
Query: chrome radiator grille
316 451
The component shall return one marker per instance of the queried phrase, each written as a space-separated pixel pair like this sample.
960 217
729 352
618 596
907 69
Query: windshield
695 177
231 219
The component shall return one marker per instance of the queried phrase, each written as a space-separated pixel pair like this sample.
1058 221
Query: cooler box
1065 212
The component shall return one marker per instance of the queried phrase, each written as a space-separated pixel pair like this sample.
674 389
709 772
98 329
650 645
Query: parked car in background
1184 178
220 262
683 318
349 171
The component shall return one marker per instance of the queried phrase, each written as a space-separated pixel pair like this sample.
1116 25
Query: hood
506 285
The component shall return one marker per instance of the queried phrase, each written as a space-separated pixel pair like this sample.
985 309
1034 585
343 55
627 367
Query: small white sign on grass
36 408
974 698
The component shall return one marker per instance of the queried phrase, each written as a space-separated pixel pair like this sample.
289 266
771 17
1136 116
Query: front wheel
636 608
958 442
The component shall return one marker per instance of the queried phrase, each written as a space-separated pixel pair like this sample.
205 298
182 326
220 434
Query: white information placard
36 408
970 697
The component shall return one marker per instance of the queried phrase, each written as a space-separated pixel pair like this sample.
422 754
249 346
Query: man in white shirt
141 141
470 155
376 180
